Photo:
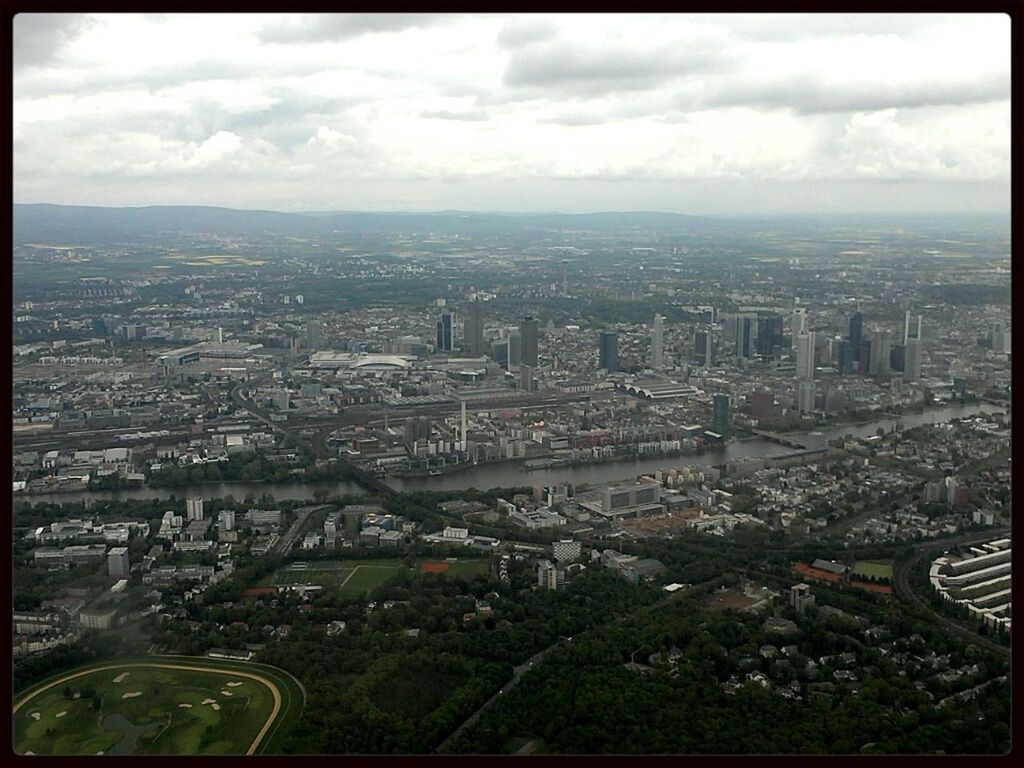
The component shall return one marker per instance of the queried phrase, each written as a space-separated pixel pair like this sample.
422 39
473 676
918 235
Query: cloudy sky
695 114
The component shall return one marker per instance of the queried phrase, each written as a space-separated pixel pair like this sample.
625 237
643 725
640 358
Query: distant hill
44 222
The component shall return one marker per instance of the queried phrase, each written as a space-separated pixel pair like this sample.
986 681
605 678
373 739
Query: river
510 475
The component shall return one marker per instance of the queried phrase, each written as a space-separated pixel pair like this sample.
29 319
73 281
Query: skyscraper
528 329
864 358
805 396
881 349
912 360
769 334
515 349
898 357
526 378
445 332
740 330
702 348
608 350
721 414
314 335
805 356
474 329
847 362
797 323
657 342
856 333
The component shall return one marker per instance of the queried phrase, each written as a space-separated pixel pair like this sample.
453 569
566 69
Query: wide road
901 585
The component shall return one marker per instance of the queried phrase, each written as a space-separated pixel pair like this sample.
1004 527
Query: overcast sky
694 114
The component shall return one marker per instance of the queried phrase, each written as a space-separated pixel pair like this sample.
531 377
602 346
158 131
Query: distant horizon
549 212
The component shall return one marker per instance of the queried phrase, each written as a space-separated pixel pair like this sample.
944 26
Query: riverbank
504 475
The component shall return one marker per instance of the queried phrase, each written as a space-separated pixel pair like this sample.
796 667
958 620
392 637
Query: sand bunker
209 701
121 677
61 714
215 706
132 695
35 715
234 684
226 693
77 696
185 706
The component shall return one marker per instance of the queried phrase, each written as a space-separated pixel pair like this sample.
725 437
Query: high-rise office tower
703 348
856 333
657 342
997 337
881 347
528 331
608 350
314 335
745 329
446 332
906 326
721 414
864 359
805 396
515 349
805 356
499 351
897 357
474 329
797 323
526 378
847 363
769 334
740 330
912 360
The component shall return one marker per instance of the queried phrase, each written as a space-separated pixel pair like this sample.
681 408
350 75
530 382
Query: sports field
354 578
879 569
149 707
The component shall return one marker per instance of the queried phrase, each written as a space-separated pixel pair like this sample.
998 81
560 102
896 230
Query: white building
194 509
566 550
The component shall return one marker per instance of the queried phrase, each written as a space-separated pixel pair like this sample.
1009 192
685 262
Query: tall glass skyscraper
608 350
528 331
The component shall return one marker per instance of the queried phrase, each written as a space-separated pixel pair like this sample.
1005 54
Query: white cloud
231 107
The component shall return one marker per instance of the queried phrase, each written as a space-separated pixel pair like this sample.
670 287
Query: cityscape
396 478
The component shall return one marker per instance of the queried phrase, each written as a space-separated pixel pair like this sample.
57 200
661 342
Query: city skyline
699 114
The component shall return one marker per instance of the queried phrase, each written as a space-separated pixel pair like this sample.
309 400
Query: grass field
879 569
354 578
153 707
